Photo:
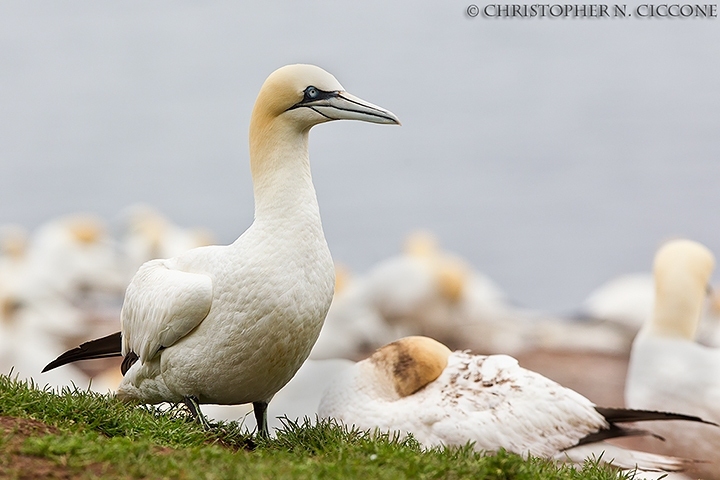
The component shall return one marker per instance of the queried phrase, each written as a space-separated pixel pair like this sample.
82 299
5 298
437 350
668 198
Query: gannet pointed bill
417 386
341 105
233 324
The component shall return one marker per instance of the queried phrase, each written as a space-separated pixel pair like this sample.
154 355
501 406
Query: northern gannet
417 385
232 324
668 369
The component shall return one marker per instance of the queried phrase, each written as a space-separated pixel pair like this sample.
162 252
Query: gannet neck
682 271
292 100
280 167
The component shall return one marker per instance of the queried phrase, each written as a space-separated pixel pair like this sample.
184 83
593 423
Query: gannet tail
109 346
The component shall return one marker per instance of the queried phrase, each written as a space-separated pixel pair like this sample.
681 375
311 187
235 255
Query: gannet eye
311 93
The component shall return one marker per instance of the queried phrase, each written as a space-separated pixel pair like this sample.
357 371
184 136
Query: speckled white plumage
488 400
668 369
233 324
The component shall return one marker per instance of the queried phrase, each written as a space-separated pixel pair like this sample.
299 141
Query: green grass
96 436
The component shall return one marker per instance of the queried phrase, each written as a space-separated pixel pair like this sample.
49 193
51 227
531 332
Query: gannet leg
260 409
192 403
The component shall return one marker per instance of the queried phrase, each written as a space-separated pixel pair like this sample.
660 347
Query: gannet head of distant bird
86 229
409 364
682 270
13 241
306 95
451 273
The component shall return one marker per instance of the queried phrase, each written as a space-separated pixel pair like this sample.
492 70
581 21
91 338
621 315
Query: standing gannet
417 385
667 368
232 324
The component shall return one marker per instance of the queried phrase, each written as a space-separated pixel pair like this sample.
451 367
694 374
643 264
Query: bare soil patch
16 465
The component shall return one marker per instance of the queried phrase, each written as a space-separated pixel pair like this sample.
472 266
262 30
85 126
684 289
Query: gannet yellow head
306 95
411 363
682 271
293 99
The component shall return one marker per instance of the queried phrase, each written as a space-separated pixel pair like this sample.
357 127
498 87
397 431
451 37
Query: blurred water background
552 154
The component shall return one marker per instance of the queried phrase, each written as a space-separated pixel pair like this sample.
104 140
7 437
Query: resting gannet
232 324
667 368
417 385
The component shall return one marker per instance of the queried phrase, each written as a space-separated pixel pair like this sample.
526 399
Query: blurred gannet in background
417 385
13 268
353 326
14 244
233 324
27 338
34 322
421 291
72 256
668 370
628 302
149 235
423 288
427 291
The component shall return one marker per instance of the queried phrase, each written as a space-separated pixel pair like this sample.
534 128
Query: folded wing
162 305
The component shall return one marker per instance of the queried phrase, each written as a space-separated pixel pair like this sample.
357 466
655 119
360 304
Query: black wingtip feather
109 346
622 415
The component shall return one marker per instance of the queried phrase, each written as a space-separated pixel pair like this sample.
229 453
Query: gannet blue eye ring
311 93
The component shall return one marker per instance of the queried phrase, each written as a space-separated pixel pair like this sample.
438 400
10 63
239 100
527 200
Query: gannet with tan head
417 385
668 369
232 324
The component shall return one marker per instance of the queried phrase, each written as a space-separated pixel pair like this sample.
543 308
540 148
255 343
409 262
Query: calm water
552 154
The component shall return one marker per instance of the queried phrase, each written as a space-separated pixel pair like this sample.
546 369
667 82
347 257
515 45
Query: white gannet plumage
667 368
417 385
233 324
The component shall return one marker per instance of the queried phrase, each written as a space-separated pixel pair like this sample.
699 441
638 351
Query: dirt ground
16 465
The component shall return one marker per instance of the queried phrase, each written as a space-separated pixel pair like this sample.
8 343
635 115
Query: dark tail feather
622 415
110 346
